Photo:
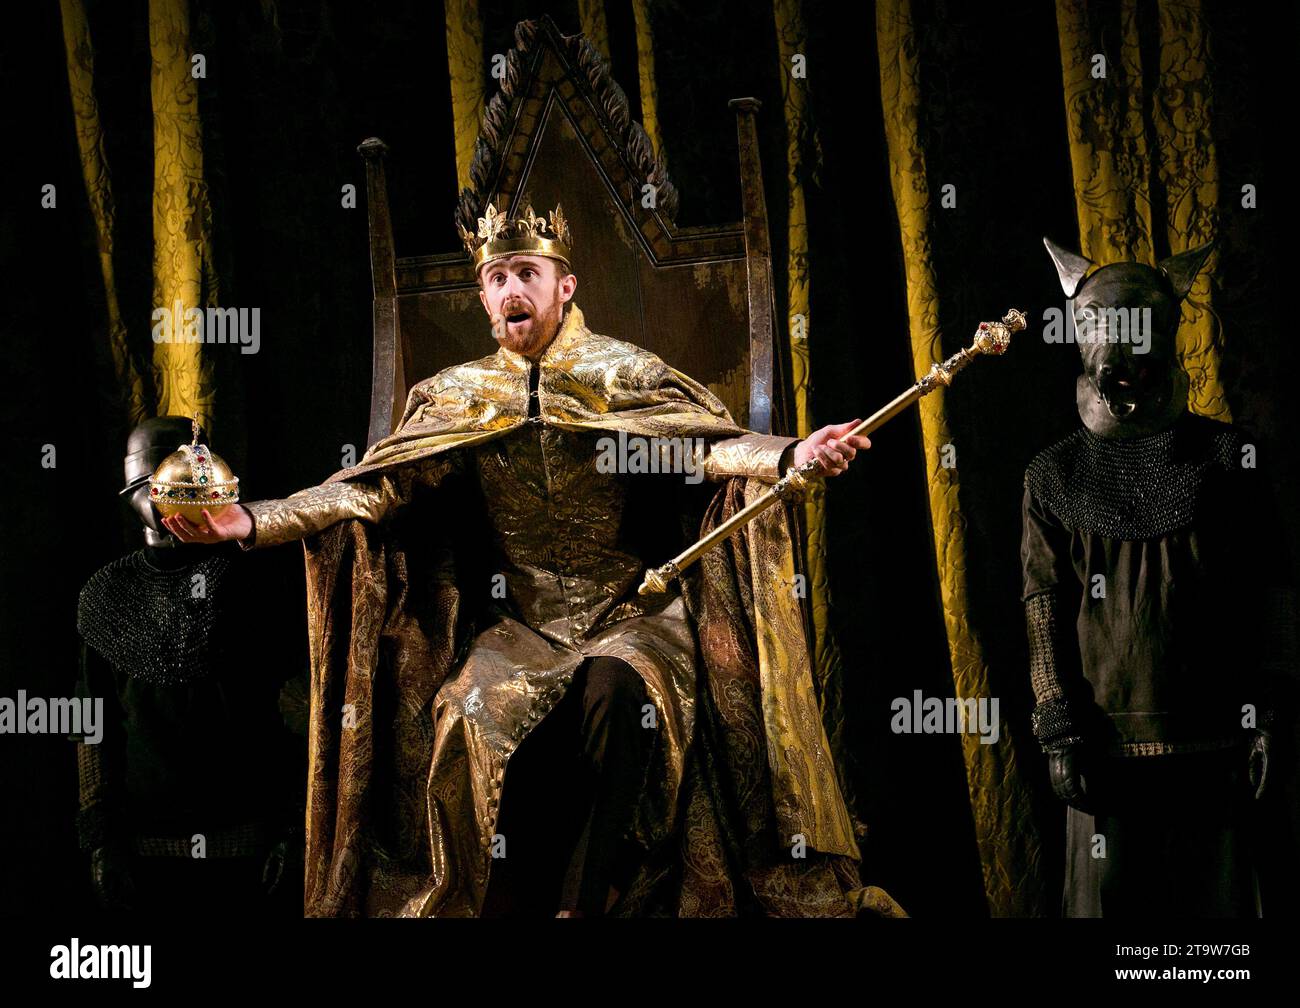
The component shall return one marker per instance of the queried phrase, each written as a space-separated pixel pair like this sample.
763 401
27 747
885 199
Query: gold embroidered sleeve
756 455
316 508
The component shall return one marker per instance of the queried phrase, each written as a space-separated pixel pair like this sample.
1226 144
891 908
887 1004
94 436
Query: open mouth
516 317
1120 396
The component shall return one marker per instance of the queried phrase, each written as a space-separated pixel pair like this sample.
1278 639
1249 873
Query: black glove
274 867
1257 774
1066 767
110 873
284 860
1055 727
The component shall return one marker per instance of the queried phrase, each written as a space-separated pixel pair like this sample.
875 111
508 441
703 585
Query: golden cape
393 819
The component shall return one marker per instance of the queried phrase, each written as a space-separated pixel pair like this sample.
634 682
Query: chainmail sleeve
1052 718
99 763
310 511
1044 644
1048 579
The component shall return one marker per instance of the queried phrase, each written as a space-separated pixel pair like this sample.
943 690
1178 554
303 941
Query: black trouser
570 796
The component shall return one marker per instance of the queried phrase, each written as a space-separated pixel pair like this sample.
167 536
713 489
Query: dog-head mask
1126 317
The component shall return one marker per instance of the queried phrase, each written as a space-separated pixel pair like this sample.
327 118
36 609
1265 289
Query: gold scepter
990 338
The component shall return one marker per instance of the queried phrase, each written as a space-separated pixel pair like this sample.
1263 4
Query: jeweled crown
500 236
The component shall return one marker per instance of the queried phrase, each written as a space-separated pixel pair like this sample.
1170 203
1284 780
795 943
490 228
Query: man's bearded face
528 293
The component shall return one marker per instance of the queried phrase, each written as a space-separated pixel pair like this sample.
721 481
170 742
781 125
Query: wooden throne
559 131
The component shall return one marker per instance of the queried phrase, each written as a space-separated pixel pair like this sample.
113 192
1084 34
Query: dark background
286 102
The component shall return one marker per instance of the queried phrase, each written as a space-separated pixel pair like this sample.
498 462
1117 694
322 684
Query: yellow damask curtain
99 192
591 18
182 215
1110 118
1009 845
465 60
645 61
183 271
801 143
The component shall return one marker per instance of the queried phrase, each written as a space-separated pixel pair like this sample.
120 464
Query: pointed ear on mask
1070 268
1181 269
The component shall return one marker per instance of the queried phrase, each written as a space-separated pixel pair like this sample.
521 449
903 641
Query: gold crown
499 236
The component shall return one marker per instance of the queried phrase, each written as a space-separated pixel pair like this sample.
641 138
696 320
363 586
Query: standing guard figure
1160 622
193 796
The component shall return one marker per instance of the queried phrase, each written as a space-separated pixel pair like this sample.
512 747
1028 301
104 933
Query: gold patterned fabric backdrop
99 191
1005 828
465 68
645 52
801 147
1129 144
184 272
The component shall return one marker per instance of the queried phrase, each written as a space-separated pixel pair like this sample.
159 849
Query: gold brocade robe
415 716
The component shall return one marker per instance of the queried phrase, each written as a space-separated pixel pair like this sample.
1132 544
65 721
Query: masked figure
1160 625
500 723
192 794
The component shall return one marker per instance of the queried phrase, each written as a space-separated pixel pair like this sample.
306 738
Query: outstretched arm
271 522
766 456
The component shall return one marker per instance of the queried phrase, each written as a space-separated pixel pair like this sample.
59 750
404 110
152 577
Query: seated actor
674 760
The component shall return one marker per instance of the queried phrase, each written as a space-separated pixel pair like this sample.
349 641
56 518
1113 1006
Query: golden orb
191 479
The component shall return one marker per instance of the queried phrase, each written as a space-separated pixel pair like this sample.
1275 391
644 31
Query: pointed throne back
559 131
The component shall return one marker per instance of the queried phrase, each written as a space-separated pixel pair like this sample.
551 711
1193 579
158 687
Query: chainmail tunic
1132 488
1157 550
188 663
155 625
